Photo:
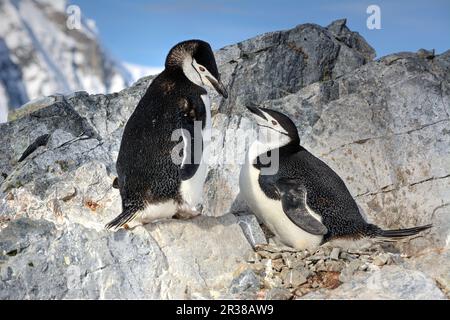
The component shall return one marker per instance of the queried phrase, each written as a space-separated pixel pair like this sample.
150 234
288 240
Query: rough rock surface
168 260
381 125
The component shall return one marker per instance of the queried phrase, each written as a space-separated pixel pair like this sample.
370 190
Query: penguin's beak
218 85
257 113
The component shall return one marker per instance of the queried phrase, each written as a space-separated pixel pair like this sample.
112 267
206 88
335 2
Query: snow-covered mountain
40 55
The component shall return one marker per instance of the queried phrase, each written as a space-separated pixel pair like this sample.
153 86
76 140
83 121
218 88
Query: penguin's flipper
293 199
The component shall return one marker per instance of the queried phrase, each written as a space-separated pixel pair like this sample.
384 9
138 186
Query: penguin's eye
274 122
202 69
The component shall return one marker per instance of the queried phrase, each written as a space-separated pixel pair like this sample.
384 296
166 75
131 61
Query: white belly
271 212
192 189
155 212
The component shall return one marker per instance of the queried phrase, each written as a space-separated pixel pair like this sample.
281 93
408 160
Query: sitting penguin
304 203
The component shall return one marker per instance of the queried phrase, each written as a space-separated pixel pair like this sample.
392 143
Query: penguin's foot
186 214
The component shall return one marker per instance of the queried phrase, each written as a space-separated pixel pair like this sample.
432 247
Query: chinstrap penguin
305 203
152 186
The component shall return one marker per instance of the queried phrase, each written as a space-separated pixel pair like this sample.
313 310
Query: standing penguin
305 203
151 184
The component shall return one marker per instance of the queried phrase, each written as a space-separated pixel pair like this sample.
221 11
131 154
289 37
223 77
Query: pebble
381 259
335 254
253 257
288 259
335 266
246 281
347 273
269 255
274 282
277 264
278 294
294 278
316 258
364 267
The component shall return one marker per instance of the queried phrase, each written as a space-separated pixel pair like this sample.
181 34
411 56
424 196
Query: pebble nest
282 273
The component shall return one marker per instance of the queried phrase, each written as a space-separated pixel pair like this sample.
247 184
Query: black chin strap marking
261 125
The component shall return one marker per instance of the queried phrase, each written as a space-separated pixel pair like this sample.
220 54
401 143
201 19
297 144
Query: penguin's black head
196 59
276 124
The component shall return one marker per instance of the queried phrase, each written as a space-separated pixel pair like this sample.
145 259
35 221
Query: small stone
297 278
278 264
274 282
252 230
316 258
321 267
278 294
246 281
253 257
347 273
396 259
302 291
284 274
301 255
443 281
334 266
326 251
269 255
288 259
294 278
335 254
381 259
364 267
297 263
263 254
258 267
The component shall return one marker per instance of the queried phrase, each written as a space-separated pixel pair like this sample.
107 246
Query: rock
390 282
278 294
252 230
443 283
246 281
433 263
335 254
381 259
271 283
38 261
277 264
269 255
352 39
349 270
427 54
335 266
294 278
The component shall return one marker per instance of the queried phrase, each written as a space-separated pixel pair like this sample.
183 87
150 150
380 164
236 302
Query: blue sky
142 31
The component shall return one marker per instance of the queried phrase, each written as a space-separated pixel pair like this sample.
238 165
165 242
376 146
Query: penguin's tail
374 231
128 214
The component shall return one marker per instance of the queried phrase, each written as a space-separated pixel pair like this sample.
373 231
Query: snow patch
138 71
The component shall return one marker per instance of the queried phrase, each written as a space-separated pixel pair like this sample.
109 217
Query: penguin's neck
259 148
